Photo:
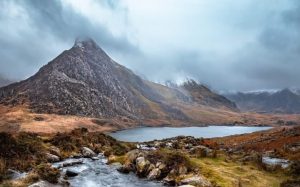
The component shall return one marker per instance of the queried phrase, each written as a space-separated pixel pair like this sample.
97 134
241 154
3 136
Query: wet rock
77 155
95 158
67 163
14 175
161 166
52 158
197 181
125 169
154 174
87 152
71 173
169 181
45 184
142 165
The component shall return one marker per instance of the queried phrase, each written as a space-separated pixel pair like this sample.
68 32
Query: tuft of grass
224 173
48 173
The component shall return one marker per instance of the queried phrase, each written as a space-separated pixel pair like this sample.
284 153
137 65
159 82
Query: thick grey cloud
229 45
34 32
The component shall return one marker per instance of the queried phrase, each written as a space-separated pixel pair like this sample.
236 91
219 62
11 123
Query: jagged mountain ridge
282 101
85 81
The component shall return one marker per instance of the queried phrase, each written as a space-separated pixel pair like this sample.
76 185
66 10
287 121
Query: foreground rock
45 184
52 158
197 181
71 173
87 152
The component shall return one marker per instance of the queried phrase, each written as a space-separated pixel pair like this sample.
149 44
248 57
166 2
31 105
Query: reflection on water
152 133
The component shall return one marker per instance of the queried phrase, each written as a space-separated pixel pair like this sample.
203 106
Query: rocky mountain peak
83 42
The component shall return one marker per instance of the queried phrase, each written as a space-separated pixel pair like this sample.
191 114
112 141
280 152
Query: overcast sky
227 44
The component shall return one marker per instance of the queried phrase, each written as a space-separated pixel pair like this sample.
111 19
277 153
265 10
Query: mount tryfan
85 81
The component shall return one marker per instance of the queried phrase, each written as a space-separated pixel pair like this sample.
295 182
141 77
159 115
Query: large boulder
132 155
87 152
52 158
201 151
130 161
142 165
154 174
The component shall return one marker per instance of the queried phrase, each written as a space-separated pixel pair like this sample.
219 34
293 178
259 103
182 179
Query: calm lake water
151 133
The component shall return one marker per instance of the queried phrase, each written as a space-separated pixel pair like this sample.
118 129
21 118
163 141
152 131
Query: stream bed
95 173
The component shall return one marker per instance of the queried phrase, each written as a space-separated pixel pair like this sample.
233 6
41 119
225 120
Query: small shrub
48 173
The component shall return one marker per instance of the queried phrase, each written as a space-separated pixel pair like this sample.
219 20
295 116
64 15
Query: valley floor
19 119
225 162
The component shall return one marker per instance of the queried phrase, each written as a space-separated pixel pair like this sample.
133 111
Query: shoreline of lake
155 133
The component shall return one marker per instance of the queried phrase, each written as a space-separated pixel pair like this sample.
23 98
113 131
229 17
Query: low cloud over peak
233 45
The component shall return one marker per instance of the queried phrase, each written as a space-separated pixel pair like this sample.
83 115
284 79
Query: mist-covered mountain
85 81
281 101
4 81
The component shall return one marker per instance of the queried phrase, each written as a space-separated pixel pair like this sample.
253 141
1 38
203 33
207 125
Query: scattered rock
87 152
95 158
77 155
45 184
201 151
169 181
67 163
55 151
154 174
71 173
182 170
132 155
197 181
52 158
142 165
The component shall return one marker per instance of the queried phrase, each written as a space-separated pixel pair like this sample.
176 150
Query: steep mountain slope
85 81
205 96
283 101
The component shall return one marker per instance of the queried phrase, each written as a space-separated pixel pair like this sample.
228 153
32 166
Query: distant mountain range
281 101
85 81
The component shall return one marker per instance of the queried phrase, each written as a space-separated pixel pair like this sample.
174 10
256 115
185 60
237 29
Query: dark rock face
205 96
284 101
82 81
85 81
